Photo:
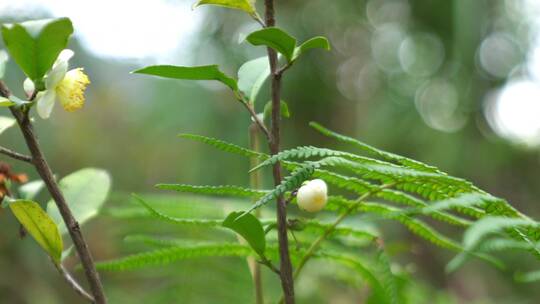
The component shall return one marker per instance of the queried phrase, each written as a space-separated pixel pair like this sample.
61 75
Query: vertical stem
255 183
72 225
44 171
287 283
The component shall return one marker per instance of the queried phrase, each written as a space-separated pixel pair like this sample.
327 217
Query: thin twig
256 119
73 283
46 175
270 265
15 155
287 282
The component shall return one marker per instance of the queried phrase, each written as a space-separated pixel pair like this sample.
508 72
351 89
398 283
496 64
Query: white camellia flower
312 196
67 86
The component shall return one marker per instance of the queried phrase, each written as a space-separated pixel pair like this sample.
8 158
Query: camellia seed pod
312 196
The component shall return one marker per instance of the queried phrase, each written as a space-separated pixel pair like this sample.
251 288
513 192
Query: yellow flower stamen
70 91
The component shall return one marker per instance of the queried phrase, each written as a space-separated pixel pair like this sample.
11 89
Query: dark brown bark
287 283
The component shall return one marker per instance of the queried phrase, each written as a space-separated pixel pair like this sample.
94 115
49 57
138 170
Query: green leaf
6 123
35 45
249 227
4 102
284 109
85 191
252 75
247 6
40 226
205 72
527 277
29 190
3 61
275 38
318 42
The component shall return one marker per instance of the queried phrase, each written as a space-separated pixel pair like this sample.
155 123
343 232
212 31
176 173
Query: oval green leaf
205 72
275 38
249 227
85 191
6 122
252 75
40 226
318 42
247 6
35 45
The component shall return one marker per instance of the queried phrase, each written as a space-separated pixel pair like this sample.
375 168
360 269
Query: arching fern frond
416 226
224 146
429 185
411 163
307 152
181 221
172 254
234 191
378 294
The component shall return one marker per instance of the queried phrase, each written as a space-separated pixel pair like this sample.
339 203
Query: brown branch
15 155
46 175
286 276
256 119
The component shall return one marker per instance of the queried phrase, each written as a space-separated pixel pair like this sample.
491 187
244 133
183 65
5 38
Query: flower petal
59 69
45 103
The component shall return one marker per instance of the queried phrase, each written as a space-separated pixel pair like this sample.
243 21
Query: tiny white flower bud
312 196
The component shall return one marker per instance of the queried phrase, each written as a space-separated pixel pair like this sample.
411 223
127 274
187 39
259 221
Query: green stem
255 183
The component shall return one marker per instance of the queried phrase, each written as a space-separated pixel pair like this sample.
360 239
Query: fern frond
416 226
289 183
467 203
379 293
172 254
315 225
159 241
406 199
307 152
215 190
353 184
411 163
224 146
429 185
500 244
528 277
389 280
181 221
493 224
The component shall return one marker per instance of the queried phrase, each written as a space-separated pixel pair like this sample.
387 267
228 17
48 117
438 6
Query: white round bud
312 196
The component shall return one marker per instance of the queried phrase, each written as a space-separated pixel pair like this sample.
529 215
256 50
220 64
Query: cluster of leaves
85 191
35 46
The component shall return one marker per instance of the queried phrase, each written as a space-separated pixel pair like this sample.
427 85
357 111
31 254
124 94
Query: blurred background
454 83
